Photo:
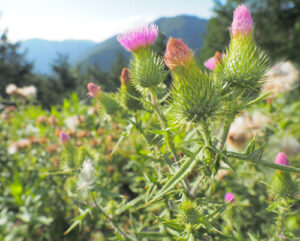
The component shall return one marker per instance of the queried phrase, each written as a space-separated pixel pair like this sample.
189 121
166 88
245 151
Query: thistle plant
174 177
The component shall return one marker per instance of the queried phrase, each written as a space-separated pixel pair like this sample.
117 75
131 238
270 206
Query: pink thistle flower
210 63
93 89
282 159
242 21
213 61
138 38
64 137
177 53
229 197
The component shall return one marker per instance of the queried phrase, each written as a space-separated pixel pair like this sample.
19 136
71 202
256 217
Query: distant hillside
44 52
189 28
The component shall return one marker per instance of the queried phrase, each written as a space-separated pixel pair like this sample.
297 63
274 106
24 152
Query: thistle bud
190 212
139 38
93 89
218 57
229 197
129 93
64 137
242 21
177 53
282 185
109 103
125 76
282 159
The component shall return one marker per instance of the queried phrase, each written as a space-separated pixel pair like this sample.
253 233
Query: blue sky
88 19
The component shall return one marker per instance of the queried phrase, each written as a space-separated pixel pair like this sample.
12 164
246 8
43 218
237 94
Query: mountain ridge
189 28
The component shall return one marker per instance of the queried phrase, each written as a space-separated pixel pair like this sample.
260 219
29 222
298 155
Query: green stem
207 140
225 132
197 185
112 223
262 162
169 138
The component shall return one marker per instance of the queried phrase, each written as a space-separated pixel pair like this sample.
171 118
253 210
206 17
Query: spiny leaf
180 174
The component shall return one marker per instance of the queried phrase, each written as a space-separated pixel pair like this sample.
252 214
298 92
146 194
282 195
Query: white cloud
23 27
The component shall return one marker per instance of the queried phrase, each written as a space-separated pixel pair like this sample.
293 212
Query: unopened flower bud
282 159
242 21
64 137
229 197
177 53
190 212
93 89
218 57
125 76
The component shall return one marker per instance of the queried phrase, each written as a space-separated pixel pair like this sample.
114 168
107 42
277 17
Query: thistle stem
263 163
196 185
169 138
225 132
206 137
112 223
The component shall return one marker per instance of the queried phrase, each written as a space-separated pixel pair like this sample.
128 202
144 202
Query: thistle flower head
64 137
242 21
138 38
177 53
93 89
125 79
282 159
229 197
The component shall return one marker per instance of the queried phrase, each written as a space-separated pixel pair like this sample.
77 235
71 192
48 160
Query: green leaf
251 147
78 220
105 192
256 155
180 174
123 135
129 205
152 235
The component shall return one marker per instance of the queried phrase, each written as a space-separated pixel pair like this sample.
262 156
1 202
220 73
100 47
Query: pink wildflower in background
242 21
93 89
64 137
229 197
210 63
213 61
138 38
282 159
